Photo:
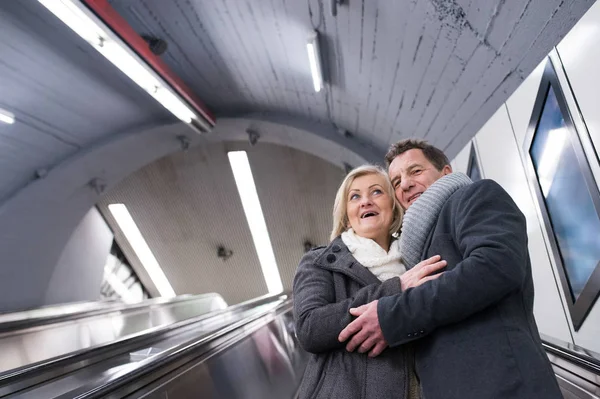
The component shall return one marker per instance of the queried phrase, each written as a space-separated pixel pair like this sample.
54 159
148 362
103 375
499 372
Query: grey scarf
422 215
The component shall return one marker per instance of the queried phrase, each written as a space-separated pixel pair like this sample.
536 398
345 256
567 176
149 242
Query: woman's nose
365 201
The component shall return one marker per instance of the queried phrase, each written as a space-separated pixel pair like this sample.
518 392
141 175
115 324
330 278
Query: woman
361 264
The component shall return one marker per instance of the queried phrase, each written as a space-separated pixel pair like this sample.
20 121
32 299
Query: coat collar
337 258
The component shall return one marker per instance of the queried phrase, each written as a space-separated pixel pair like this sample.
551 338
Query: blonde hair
340 208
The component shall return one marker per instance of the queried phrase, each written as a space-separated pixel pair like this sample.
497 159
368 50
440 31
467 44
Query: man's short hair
433 154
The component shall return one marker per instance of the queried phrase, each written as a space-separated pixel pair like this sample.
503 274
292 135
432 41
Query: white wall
78 274
581 59
461 162
500 145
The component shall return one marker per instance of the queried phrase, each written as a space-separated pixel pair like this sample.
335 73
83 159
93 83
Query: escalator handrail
578 356
144 367
30 371
26 323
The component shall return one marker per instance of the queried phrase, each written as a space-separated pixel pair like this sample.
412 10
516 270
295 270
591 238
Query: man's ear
447 170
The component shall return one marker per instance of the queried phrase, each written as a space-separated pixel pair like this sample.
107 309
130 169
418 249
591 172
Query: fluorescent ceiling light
256 220
141 249
91 29
314 58
6 117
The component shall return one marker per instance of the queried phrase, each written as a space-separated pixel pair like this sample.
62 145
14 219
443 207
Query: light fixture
256 220
89 27
314 58
6 117
141 249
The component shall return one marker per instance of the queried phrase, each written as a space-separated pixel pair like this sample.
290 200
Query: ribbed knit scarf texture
384 265
421 216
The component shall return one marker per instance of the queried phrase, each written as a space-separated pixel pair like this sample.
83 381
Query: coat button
409 335
331 258
422 332
336 248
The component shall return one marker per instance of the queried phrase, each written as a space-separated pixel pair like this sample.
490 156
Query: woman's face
369 207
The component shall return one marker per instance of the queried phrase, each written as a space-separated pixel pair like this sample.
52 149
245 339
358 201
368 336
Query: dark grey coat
328 282
474 331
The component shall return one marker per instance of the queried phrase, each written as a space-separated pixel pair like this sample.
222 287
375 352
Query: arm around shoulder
489 232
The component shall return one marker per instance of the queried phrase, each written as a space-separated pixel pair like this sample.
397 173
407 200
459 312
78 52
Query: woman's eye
353 196
377 191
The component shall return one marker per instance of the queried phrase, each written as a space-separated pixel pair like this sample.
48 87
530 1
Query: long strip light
256 220
6 117
141 249
92 30
314 58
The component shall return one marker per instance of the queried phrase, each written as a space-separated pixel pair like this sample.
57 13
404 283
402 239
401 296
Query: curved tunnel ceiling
427 68
423 68
409 68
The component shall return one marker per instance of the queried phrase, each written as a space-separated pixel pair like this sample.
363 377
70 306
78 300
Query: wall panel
578 53
581 58
78 274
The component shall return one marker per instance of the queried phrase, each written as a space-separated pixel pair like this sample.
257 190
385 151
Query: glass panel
568 199
473 171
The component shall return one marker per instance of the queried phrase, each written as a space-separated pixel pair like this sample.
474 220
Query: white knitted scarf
420 217
384 265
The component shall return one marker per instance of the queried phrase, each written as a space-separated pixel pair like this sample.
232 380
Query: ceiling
65 95
396 69
425 68
436 69
187 205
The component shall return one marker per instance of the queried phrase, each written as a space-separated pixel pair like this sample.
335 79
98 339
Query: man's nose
406 184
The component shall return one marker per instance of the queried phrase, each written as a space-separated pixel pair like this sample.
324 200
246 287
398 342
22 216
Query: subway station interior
166 164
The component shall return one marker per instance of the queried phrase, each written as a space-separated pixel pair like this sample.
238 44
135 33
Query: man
472 328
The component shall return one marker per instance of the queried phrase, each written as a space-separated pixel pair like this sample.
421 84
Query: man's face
411 174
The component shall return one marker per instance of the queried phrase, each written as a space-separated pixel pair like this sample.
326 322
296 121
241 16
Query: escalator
244 351
193 347
577 370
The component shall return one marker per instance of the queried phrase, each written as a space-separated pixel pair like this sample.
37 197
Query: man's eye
417 171
396 183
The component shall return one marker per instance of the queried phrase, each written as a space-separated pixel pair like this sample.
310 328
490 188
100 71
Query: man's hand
421 272
365 331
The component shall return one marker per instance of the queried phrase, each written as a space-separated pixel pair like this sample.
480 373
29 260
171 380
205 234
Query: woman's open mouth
369 214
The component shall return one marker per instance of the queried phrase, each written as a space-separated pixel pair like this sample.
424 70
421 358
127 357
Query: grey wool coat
473 328
328 282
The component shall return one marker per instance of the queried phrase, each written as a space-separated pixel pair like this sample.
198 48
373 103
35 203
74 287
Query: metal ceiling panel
187 205
65 95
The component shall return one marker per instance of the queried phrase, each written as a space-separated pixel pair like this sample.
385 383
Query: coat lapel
337 258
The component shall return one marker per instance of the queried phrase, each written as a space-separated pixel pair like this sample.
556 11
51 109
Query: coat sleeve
490 233
319 318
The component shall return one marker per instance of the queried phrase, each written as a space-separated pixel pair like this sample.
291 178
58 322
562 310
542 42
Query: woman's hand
422 272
